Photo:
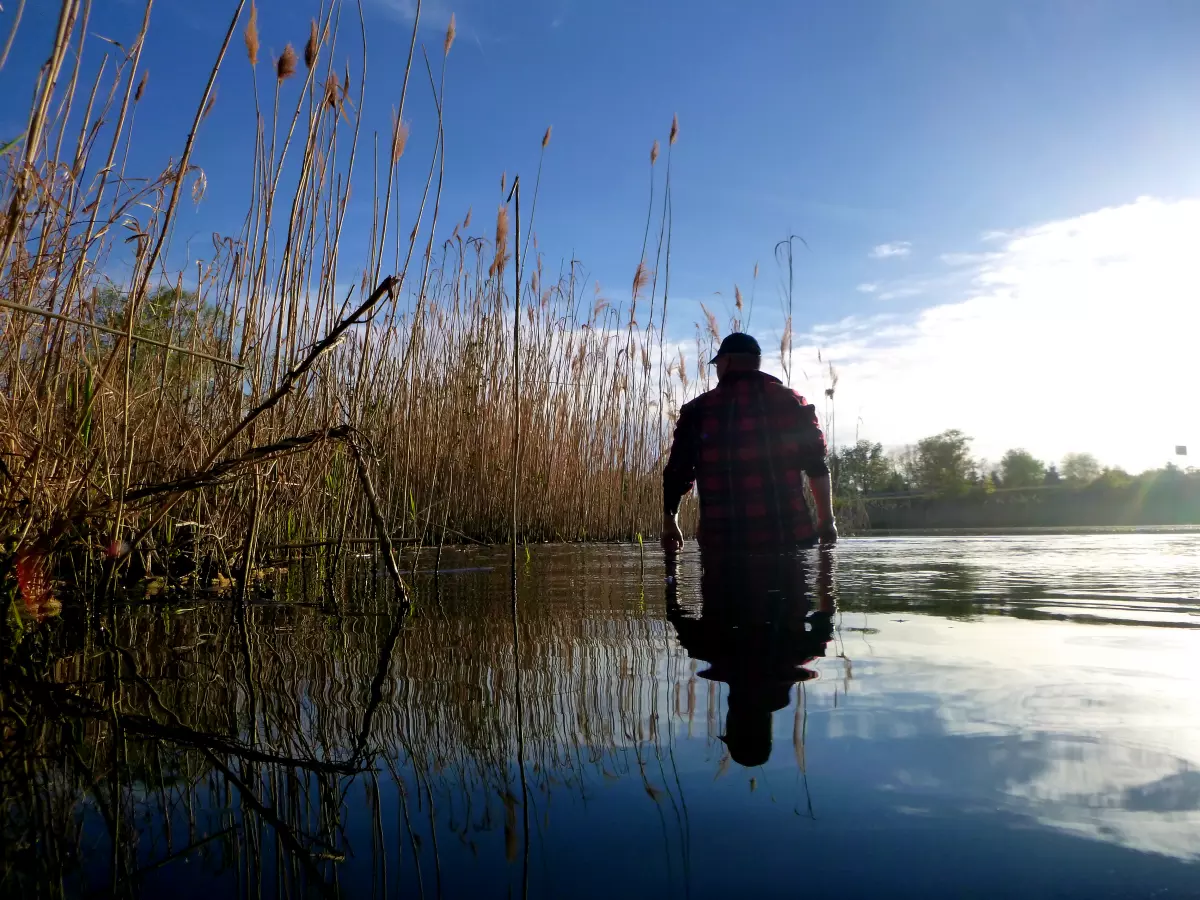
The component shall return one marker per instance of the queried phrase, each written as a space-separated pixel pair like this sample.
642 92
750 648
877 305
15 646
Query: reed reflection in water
945 709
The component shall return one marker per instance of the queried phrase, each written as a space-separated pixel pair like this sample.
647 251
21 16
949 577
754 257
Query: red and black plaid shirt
748 444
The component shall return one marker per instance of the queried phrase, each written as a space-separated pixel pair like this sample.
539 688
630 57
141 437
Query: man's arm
679 475
822 493
813 461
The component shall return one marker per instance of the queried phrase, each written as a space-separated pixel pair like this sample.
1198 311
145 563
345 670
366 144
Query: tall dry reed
227 394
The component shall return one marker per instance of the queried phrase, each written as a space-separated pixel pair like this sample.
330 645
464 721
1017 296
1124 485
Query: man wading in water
748 443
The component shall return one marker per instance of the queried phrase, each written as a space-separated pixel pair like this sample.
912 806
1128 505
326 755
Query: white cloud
936 284
1074 335
966 259
1096 774
902 291
853 325
887 251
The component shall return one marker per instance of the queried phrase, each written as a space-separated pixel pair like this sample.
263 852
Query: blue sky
911 142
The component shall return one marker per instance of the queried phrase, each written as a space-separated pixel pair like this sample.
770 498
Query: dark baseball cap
737 343
748 724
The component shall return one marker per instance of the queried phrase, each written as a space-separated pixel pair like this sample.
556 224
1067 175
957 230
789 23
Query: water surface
932 717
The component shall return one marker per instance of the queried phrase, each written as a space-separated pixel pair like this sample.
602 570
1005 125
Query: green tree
1080 468
942 463
863 467
1020 469
1112 478
904 463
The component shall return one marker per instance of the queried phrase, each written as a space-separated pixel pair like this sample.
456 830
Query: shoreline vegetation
937 484
288 391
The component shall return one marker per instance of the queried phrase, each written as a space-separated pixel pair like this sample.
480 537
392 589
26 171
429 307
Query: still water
925 717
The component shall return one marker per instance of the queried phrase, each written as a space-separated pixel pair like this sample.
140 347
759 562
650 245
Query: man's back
747 444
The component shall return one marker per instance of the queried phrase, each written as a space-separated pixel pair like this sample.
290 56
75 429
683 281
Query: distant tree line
943 465
937 482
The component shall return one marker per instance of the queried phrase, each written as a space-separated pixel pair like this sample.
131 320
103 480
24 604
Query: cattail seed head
714 330
546 136
208 107
333 92
501 238
251 35
674 128
310 49
199 187
451 30
285 66
640 278
399 138
141 88
654 153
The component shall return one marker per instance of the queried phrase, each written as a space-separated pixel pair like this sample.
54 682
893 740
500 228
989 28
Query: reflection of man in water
757 630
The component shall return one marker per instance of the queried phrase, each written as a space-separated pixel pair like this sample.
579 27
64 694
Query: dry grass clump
237 394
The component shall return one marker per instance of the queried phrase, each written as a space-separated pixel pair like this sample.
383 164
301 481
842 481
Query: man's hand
672 537
827 532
